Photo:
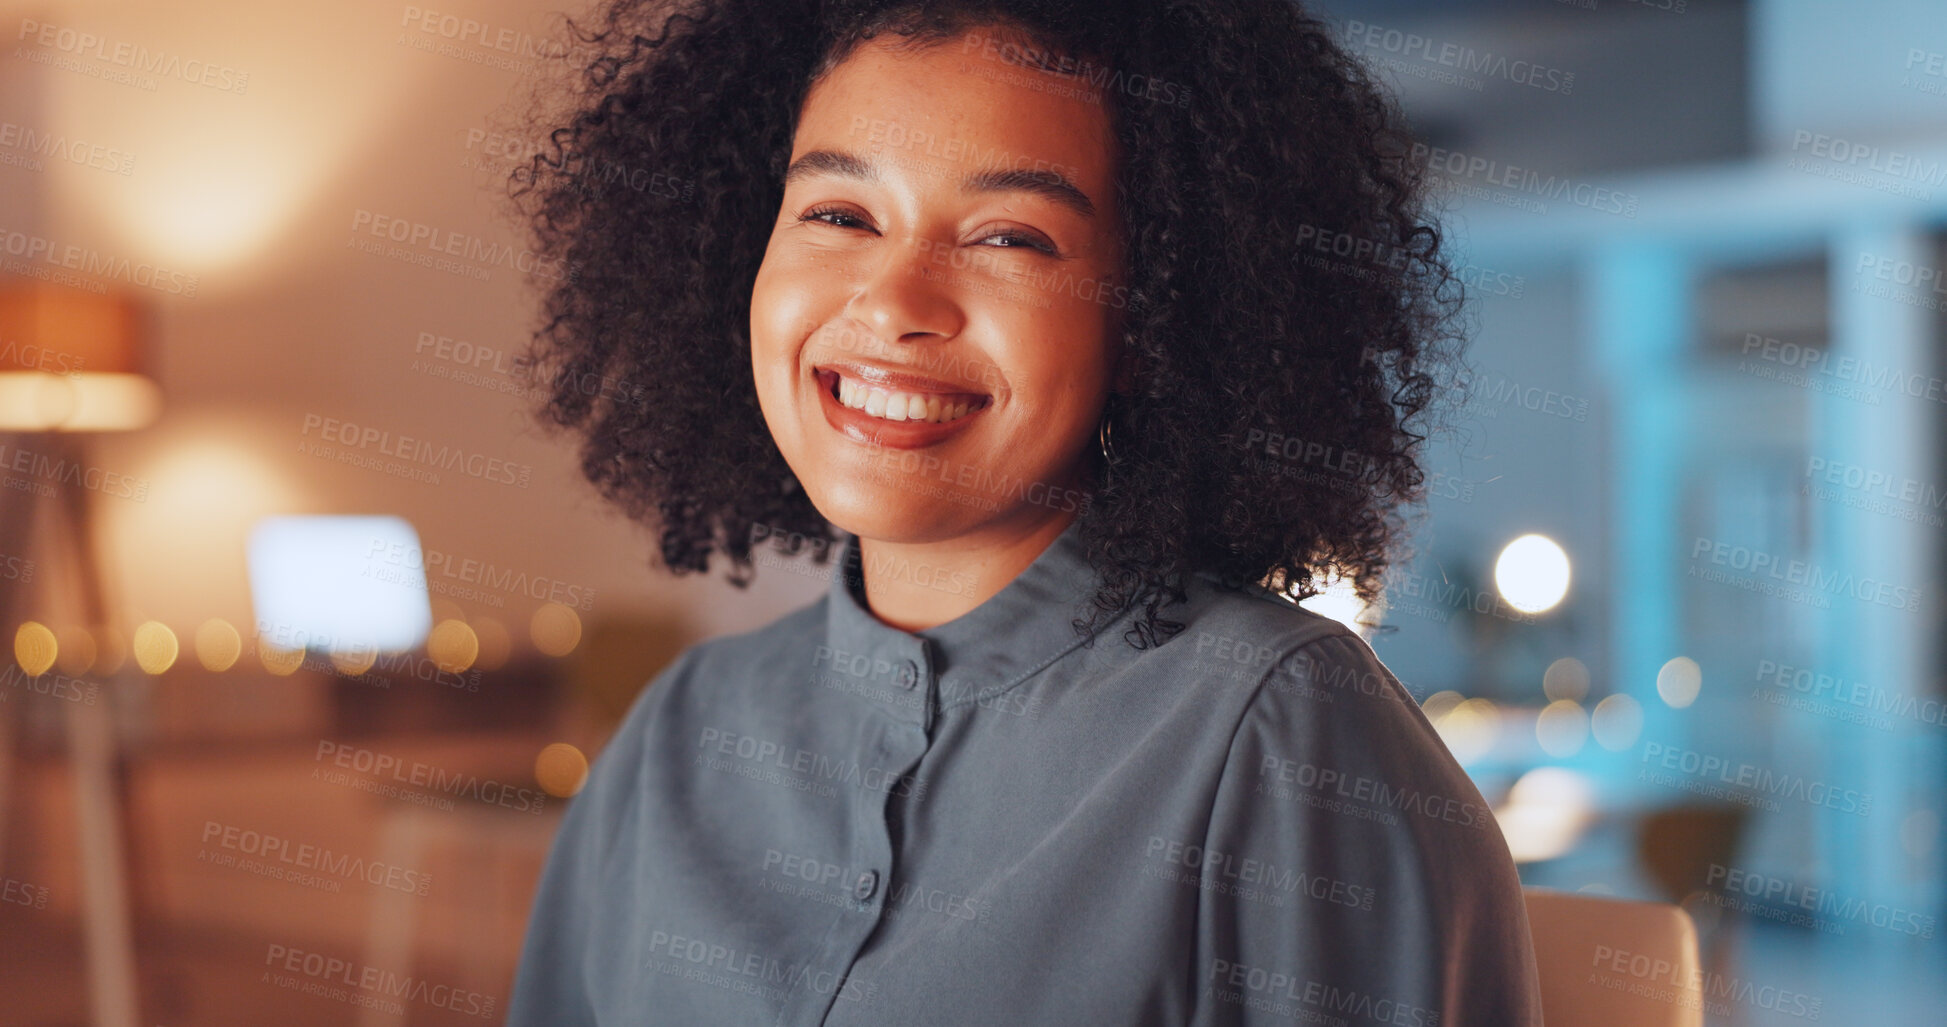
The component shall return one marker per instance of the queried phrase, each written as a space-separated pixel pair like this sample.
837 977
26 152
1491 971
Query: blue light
339 583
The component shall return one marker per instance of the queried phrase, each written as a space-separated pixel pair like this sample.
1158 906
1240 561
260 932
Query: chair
1609 963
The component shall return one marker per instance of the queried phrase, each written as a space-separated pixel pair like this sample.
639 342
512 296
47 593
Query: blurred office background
1676 606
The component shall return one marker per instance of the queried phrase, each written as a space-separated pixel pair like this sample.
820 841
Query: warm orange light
34 648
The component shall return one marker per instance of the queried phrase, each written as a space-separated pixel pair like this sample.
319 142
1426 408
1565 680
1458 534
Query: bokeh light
1617 722
218 644
1679 682
452 646
155 647
1532 573
354 660
1470 729
555 629
35 648
561 770
1566 678
281 662
1547 810
1562 728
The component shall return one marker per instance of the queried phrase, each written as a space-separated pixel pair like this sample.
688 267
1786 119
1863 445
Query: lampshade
73 360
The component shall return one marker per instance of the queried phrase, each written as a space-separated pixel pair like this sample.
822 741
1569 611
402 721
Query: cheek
772 306
1058 359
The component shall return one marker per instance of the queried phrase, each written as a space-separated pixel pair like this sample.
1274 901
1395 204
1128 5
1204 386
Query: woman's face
933 326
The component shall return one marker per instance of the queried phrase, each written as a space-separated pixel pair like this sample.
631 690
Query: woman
1079 326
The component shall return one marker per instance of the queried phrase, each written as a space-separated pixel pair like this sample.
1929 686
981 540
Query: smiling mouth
880 399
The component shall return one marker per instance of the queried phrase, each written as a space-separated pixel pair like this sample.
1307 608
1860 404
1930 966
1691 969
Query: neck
913 586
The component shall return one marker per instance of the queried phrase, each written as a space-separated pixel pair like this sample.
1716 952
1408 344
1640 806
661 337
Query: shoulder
1241 634
1332 748
1330 714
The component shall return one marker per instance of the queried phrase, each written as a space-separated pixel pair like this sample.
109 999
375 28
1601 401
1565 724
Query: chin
887 513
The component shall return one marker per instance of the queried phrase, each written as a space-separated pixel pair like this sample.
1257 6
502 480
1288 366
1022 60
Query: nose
909 297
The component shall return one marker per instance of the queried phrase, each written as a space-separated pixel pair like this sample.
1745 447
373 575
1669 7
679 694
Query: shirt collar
995 646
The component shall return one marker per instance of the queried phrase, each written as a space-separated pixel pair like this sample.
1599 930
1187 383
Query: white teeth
894 405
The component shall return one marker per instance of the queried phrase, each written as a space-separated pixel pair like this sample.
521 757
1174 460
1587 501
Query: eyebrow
1050 185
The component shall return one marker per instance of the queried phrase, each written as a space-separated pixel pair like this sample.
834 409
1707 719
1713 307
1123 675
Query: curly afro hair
1292 320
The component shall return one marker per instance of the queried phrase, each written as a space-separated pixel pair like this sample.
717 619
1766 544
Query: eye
834 215
1016 240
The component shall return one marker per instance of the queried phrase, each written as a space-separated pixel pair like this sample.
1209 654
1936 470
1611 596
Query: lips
886 407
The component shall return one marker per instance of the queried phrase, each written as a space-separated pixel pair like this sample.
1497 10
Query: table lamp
72 360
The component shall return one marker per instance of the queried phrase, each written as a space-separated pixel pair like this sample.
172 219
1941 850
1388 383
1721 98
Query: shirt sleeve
1351 872
551 986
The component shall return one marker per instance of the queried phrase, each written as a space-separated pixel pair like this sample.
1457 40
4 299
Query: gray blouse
832 821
